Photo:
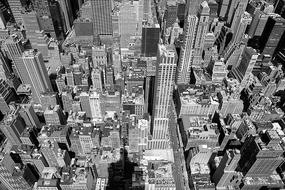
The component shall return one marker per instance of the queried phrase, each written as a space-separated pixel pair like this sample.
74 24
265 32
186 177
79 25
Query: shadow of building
125 174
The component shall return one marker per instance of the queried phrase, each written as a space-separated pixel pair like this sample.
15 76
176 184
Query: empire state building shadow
124 174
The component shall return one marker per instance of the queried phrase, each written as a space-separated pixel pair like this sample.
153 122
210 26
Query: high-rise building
12 126
192 7
10 176
219 72
102 17
224 5
164 84
213 10
57 19
5 71
85 103
181 6
150 40
134 140
83 27
229 104
260 158
94 99
16 8
66 9
272 34
54 115
39 40
50 18
48 150
37 74
127 23
27 112
99 56
235 56
202 29
60 82
280 7
238 12
29 137
14 48
96 78
6 96
116 57
66 97
109 76
187 50
238 35
170 13
31 22
4 15
226 169
243 70
241 28
258 23
37 37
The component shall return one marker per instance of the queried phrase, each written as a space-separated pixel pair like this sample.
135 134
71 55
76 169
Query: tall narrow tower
238 12
37 74
164 84
187 50
202 29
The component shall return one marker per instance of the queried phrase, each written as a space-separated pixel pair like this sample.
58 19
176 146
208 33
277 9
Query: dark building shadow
123 174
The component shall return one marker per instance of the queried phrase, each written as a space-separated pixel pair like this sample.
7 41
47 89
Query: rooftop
270 180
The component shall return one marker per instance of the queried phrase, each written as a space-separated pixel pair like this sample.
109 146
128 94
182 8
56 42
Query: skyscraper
258 22
99 56
219 72
238 35
127 23
186 55
192 7
16 8
66 97
202 29
241 28
164 84
37 74
85 103
261 158
12 126
30 21
5 71
102 17
226 170
243 70
37 37
9 175
66 9
170 13
224 5
150 40
28 113
14 48
54 116
50 19
238 12
97 79
272 34
6 96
